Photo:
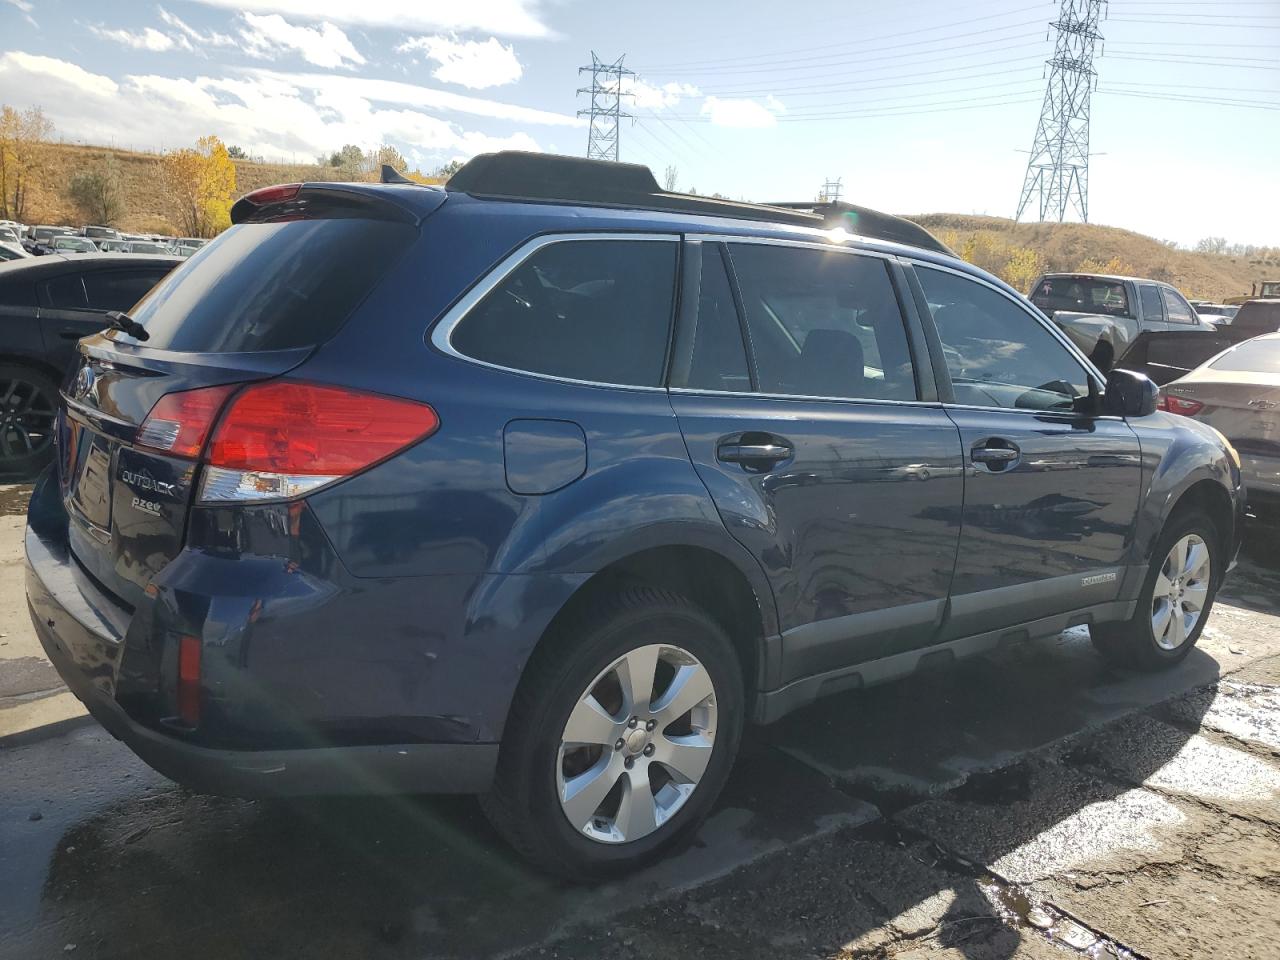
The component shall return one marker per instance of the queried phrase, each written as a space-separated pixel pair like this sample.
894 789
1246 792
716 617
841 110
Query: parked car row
41 239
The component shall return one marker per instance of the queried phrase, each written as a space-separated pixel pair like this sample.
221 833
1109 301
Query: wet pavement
1033 803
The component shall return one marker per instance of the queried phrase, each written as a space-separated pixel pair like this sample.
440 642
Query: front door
1051 492
804 424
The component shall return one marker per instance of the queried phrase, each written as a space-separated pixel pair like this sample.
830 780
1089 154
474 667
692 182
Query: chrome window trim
1048 325
442 332
748 395
832 246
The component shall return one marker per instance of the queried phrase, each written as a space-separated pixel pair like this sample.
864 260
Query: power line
1057 177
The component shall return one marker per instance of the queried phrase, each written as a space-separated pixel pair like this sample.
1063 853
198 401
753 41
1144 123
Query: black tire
1132 643
524 804
28 411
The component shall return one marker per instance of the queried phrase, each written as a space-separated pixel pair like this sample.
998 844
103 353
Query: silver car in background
1238 393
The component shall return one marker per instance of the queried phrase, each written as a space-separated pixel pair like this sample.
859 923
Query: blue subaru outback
540 486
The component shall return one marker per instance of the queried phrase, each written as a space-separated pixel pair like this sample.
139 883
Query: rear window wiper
122 321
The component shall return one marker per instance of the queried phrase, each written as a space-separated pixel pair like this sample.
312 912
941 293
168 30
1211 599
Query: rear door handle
754 453
995 454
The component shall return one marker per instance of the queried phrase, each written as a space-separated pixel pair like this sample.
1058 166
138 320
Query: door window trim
904 311
1032 312
441 333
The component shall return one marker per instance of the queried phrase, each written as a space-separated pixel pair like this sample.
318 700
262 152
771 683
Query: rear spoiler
330 201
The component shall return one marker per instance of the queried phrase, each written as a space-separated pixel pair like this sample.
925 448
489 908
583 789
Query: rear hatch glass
248 306
270 286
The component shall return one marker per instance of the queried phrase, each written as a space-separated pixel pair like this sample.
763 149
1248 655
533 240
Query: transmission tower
605 111
830 192
1058 170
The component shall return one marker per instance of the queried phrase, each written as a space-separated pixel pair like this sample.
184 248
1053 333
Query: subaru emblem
86 380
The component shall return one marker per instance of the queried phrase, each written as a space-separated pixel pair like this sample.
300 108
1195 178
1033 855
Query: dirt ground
1032 803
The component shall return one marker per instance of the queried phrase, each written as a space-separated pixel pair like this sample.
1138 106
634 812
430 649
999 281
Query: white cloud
648 96
25 6
730 112
271 35
148 38
278 115
469 63
191 34
505 18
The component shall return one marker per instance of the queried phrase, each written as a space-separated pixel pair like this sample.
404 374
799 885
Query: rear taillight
280 439
1179 405
179 423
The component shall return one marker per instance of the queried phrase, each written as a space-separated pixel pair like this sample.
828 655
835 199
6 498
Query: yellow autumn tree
23 134
1017 266
199 183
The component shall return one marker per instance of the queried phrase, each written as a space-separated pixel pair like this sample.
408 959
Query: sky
920 106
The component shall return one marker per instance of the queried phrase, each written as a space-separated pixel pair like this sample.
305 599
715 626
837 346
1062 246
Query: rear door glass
719 357
65 293
270 286
119 289
592 310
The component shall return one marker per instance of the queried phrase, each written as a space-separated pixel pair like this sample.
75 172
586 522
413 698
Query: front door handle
995 454
754 454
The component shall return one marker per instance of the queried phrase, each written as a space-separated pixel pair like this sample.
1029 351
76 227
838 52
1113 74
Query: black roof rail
518 175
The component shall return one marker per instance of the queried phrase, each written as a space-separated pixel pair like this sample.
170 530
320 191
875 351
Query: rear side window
1152 309
66 293
119 289
594 310
270 286
823 324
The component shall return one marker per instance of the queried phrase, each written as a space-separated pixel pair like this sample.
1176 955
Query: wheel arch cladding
1211 498
703 576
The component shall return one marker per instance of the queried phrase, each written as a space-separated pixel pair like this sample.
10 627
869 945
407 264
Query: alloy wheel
1181 592
26 419
636 744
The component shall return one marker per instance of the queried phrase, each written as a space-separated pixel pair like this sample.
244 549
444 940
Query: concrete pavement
1033 803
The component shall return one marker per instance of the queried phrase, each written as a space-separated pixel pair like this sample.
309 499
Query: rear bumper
82 633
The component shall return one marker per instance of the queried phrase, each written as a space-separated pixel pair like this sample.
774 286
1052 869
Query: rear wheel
28 409
1175 601
621 736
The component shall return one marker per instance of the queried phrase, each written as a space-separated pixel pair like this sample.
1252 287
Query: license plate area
89 490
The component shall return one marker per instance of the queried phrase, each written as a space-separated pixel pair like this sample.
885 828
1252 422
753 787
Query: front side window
823 323
997 353
594 310
1178 309
1152 309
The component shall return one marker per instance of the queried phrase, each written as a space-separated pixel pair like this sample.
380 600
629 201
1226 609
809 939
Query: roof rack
518 175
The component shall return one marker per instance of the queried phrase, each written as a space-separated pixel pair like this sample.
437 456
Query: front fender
1178 453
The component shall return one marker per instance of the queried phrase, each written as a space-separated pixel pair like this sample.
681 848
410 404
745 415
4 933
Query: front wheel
1175 601
621 736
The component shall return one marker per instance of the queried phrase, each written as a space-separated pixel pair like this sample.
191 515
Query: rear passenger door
794 381
1051 489
74 305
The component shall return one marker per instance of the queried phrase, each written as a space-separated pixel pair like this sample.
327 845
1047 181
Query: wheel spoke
584 793
686 757
1177 627
1197 560
1178 557
590 723
1160 620
689 687
1194 596
635 674
637 812
1164 586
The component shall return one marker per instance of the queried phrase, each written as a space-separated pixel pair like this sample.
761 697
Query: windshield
75 244
1082 295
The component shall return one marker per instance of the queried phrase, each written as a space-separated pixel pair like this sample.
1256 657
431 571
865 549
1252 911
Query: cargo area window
597 310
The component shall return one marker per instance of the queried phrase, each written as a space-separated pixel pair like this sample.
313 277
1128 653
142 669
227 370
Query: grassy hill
1086 246
1018 252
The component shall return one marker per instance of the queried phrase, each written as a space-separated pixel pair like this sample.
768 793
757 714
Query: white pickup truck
1104 314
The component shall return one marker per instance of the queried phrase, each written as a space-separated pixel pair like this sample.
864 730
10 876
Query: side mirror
1129 394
